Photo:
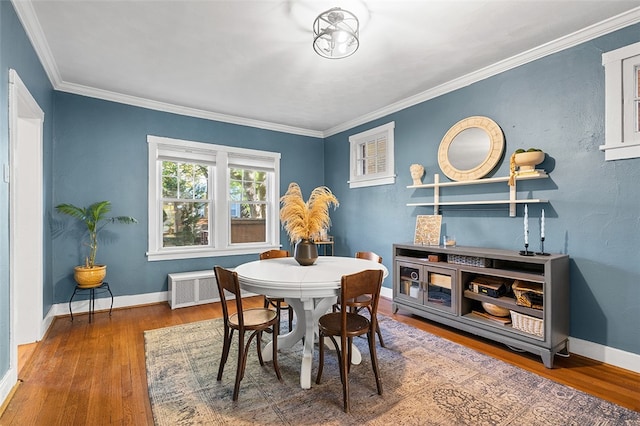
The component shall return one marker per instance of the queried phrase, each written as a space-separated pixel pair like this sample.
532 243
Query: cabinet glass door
410 285
438 287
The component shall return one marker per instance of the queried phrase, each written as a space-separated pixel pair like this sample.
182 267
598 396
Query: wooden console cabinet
435 282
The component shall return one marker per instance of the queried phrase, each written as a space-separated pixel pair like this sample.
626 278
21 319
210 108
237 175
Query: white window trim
219 245
385 178
615 147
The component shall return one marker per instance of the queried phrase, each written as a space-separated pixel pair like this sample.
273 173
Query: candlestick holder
526 251
541 252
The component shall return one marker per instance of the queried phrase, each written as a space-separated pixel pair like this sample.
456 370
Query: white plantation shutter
372 157
622 103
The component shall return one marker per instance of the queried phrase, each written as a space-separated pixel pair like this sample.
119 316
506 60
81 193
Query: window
211 200
371 157
622 103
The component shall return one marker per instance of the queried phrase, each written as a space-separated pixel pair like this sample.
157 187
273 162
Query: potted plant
94 217
305 221
526 161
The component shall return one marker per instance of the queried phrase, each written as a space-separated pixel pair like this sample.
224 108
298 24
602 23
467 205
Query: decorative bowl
495 310
528 160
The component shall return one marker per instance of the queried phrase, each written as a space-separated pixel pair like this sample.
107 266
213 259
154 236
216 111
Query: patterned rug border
427 380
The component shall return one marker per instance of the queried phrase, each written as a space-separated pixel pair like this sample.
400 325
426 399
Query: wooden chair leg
258 340
241 359
377 330
320 357
380 336
344 367
374 360
274 347
290 312
228 334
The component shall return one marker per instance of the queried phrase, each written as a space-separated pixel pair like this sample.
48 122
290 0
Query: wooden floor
94 374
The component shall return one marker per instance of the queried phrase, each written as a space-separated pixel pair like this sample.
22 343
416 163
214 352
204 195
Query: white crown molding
31 24
29 20
181 110
594 31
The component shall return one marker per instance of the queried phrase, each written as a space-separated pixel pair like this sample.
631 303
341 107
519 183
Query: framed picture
428 230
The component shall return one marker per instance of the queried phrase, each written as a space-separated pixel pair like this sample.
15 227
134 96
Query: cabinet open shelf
507 327
512 201
505 302
543 331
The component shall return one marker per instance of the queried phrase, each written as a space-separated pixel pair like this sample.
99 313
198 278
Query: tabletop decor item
417 171
526 251
304 221
428 230
94 218
542 252
525 161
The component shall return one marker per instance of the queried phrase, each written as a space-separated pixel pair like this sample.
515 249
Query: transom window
372 157
211 200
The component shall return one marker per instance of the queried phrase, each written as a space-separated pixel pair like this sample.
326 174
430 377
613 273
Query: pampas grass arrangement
305 220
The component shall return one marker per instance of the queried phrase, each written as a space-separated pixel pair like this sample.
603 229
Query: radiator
192 288
195 288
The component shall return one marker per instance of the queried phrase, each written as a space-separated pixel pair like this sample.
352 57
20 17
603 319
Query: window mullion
221 202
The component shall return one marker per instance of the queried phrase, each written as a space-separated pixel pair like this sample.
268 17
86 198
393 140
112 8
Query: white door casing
26 215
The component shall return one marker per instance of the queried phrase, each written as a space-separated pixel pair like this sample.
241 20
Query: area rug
427 380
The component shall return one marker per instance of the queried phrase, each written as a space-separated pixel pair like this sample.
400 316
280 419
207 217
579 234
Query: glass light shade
335 34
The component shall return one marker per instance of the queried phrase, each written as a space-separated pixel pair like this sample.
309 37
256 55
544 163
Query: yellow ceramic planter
89 277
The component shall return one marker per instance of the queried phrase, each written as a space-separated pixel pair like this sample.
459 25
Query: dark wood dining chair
347 324
277 302
364 301
254 321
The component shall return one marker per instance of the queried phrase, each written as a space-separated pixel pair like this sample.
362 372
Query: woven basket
527 324
469 260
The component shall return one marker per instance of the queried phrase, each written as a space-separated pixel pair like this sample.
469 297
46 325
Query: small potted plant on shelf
526 162
94 217
305 221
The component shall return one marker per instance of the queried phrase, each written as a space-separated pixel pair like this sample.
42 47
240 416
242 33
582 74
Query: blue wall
16 53
556 104
101 154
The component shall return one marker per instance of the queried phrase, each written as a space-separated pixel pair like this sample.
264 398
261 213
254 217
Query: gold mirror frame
484 165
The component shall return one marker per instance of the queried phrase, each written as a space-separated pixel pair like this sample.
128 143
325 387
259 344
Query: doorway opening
26 217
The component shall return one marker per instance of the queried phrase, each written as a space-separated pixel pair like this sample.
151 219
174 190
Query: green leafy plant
94 218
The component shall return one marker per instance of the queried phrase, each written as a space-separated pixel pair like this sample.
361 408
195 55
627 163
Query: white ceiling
252 62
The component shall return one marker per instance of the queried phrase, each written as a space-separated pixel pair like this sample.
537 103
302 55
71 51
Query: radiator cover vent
192 288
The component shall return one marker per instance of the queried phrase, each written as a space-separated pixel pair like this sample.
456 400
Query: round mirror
471 149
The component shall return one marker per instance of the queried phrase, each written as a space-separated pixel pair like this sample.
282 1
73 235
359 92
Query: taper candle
526 224
542 225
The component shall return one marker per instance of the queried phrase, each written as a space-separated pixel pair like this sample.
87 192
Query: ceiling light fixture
335 34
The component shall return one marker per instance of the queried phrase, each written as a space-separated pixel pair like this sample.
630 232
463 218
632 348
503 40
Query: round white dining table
310 290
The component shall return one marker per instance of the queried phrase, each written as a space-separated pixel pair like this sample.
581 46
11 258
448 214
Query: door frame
25 111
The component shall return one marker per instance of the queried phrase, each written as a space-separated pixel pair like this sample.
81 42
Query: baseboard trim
8 386
605 354
104 303
594 351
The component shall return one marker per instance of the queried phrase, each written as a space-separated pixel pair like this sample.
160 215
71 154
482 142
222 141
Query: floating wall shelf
512 201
